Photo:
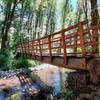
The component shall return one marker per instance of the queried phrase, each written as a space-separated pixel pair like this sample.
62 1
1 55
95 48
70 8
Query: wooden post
33 53
64 48
25 49
50 51
60 45
40 49
82 43
28 49
75 44
31 49
34 50
36 47
22 51
20 48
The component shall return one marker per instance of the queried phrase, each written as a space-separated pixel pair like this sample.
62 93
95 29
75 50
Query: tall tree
94 21
66 10
9 14
94 12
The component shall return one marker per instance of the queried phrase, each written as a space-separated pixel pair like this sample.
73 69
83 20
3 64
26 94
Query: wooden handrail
73 40
67 29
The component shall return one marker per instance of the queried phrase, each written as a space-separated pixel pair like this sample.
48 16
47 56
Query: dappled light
49 49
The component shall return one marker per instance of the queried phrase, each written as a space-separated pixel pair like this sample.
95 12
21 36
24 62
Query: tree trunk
94 21
7 23
94 12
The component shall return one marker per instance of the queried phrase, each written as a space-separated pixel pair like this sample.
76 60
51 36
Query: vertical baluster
31 49
28 49
19 49
60 44
36 46
25 49
82 43
75 43
22 50
40 49
64 48
33 52
50 50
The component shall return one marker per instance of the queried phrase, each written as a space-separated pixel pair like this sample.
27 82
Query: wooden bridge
74 47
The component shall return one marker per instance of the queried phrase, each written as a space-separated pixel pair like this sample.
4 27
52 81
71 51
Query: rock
12 73
77 80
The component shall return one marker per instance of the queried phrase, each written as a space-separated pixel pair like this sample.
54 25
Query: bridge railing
78 40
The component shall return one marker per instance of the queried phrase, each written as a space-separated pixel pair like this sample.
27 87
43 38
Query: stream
48 74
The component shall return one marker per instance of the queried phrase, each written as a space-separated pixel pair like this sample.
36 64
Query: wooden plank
56 47
55 40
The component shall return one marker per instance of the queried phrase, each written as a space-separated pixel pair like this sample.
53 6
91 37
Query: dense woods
24 20
27 30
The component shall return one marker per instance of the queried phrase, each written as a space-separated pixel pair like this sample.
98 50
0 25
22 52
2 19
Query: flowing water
53 76
48 74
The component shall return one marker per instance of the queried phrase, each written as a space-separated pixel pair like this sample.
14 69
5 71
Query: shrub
67 94
37 62
22 63
6 59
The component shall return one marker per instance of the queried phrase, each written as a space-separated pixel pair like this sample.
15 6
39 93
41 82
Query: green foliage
6 59
15 96
22 63
79 50
86 89
34 62
34 76
67 94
